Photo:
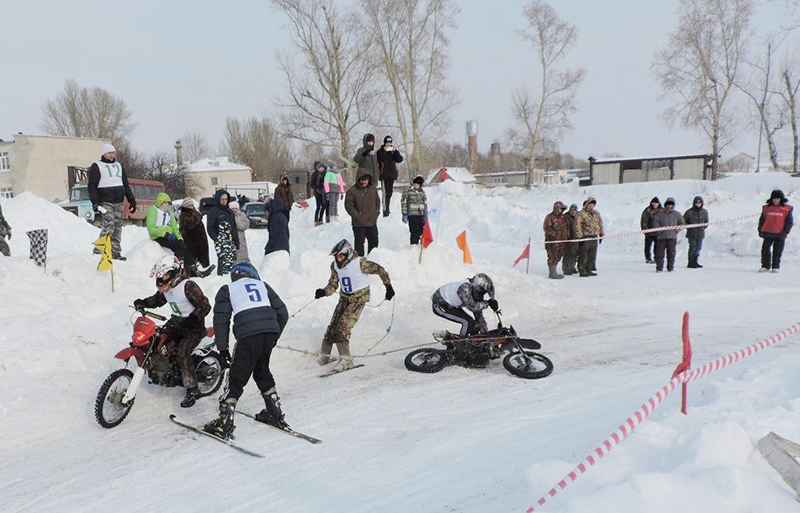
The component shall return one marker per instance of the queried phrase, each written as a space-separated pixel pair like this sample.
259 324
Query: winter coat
284 192
218 214
278 227
573 223
248 322
556 226
414 202
363 204
647 217
776 221
159 223
367 159
242 224
667 217
317 179
588 224
108 194
194 235
5 228
333 181
696 215
387 163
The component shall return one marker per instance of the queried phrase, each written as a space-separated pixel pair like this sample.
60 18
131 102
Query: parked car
257 213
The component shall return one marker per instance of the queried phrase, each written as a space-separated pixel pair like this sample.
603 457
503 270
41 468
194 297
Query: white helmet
167 271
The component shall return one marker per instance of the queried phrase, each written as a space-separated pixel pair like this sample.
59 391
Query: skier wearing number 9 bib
187 325
350 273
259 317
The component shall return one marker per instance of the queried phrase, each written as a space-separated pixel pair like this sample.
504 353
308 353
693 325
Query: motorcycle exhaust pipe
130 394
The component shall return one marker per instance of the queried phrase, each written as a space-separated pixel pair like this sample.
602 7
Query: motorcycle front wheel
108 408
530 365
209 372
427 360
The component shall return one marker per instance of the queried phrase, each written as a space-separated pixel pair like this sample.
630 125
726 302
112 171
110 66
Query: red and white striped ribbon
652 230
654 402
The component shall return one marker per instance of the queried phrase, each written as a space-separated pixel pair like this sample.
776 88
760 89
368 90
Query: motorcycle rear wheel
209 373
530 365
108 408
427 360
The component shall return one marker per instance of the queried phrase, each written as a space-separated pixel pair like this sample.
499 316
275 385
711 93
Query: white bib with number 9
351 277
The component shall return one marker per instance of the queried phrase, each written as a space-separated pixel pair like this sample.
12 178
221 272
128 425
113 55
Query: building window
5 164
214 180
6 192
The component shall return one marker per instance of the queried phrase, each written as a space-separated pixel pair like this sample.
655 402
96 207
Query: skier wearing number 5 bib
187 325
349 273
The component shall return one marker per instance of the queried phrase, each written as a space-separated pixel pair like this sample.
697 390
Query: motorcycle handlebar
150 314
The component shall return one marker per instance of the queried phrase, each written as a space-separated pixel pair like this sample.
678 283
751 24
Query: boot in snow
223 426
345 360
272 413
192 394
553 273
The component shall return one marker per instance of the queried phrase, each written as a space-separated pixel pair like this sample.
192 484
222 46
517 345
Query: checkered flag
38 246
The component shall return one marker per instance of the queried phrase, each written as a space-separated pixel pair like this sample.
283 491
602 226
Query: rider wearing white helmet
450 300
186 326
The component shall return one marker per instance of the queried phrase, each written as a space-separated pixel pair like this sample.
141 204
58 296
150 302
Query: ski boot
272 413
345 360
223 426
192 394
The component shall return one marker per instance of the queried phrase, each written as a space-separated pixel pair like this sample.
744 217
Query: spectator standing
5 231
667 240
278 227
317 184
556 227
388 158
333 188
221 225
363 205
190 223
589 224
646 223
570 261
242 224
774 225
284 192
108 187
695 215
414 207
367 159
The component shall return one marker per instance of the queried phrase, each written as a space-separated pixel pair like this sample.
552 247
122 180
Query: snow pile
462 440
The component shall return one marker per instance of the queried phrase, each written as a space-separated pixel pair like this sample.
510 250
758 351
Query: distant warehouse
650 169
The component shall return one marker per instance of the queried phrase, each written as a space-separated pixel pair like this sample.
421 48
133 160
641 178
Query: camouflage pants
345 316
112 223
554 252
187 341
570 256
4 249
225 248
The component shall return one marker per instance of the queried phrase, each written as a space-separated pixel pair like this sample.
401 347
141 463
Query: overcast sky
184 65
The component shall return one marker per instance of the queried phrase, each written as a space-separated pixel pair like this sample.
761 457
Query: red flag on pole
427 235
526 253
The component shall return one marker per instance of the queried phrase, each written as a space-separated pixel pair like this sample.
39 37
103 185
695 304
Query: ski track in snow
461 440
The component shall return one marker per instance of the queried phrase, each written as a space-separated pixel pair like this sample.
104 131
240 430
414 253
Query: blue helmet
244 270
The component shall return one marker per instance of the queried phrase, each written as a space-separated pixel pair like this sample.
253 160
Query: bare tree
82 112
255 142
790 82
195 147
410 39
546 115
330 79
700 67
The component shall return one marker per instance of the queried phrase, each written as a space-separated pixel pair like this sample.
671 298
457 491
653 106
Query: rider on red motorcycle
186 326
450 300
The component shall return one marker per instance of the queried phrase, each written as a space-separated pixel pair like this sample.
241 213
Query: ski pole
388 330
306 306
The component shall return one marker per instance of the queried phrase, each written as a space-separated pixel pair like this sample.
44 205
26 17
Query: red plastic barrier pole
686 364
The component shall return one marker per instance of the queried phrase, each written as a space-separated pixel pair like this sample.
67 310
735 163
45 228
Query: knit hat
318 164
670 201
418 179
332 164
369 137
777 193
108 148
188 202
233 204
591 200
656 200
573 207
386 139
559 205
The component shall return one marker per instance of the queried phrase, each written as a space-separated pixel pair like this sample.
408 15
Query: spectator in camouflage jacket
647 222
556 227
589 224
570 260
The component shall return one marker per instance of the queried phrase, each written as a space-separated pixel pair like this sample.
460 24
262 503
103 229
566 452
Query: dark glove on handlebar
493 304
225 358
319 293
139 304
389 292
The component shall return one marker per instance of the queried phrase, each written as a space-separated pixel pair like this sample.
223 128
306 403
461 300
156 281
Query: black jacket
278 227
217 214
266 319
109 194
387 163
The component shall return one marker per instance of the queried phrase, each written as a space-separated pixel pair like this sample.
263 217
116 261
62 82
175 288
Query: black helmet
244 270
343 248
482 284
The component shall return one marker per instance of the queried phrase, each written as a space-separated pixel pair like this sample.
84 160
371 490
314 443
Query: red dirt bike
476 350
154 354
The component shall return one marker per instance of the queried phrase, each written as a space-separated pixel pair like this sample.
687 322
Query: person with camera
367 159
388 158
108 188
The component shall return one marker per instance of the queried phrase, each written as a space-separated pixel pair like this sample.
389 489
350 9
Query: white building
214 173
649 169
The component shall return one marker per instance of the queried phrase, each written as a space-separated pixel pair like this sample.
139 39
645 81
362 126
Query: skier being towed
450 300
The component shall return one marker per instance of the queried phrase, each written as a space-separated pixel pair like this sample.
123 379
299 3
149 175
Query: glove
171 237
225 358
132 208
319 293
389 292
139 304
405 218
493 304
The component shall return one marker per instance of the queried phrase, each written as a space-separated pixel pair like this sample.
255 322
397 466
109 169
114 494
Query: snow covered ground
462 440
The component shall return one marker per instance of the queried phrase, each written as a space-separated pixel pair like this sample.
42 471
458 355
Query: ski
339 371
288 431
226 442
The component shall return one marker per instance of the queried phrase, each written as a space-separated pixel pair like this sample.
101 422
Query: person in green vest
162 226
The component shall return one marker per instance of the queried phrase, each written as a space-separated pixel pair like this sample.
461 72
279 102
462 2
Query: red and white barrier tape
652 230
654 402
